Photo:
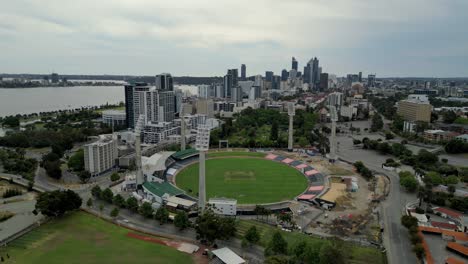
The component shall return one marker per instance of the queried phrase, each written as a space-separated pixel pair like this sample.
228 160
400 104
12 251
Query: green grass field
356 254
235 154
249 180
82 238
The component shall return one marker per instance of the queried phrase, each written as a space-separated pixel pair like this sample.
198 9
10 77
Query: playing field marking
239 175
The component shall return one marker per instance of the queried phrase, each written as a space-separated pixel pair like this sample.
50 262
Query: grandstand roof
184 153
160 189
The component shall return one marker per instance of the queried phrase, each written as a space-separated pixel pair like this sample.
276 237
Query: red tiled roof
449 212
452 260
458 247
444 225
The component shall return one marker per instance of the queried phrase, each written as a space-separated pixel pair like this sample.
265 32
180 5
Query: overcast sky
205 37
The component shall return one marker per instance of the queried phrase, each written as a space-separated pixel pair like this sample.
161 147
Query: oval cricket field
249 180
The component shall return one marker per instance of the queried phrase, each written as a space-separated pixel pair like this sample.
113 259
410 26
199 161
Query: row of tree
15 162
411 224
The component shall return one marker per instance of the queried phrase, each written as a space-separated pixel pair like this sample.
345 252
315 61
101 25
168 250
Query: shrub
115 177
11 192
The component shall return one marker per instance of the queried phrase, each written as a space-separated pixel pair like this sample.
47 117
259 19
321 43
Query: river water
44 99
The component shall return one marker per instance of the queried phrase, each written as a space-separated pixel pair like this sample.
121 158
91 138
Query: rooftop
159 189
185 153
227 256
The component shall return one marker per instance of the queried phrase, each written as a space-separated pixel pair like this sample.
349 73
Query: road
396 239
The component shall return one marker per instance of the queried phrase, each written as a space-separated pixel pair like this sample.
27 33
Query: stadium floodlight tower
138 127
334 117
291 113
201 144
183 128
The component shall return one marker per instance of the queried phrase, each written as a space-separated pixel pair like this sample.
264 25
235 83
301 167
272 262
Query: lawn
235 154
249 180
82 238
356 254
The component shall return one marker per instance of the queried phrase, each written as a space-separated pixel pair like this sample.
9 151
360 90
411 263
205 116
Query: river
44 99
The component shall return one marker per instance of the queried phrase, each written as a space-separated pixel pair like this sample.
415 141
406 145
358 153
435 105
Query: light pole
201 144
291 113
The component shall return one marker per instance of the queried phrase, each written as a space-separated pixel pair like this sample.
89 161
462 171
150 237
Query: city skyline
418 39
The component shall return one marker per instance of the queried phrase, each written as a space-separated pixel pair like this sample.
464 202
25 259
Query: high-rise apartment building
204 91
227 86
323 82
164 82
371 80
236 94
335 99
100 156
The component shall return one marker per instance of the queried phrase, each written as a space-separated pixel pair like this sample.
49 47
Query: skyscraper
275 85
133 102
307 73
294 64
235 76
243 72
360 76
284 75
371 80
227 86
314 72
323 82
236 94
164 82
269 76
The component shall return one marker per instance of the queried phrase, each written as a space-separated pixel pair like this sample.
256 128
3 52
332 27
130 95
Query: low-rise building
439 135
223 206
114 118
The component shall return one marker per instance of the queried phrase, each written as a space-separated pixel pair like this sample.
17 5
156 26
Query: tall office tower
129 106
235 76
284 75
163 103
269 76
236 94
306 78
371 80
258 80
204 91
314 73
255 92
227 86
323 82
294 64
276 82
219 90
164 82
360 76
54 78
292 74
243 72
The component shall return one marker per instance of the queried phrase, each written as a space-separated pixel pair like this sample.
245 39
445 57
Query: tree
277 245
118 201
449 117
419 250
389 135
57 203
181 220
107 195
101 208
274 131
84 176
210 227
427 158
331 254
115 212
89 203
452 179
409 221
433 178
96 191
252 236
76 161
132 204
284 217
146 210
115 177
11 121
53 169
408 181
162 215
377 123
